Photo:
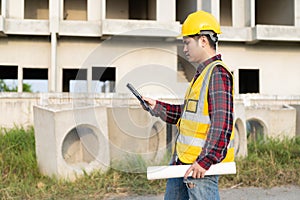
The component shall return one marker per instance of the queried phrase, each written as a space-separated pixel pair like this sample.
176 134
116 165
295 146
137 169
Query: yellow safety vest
195 121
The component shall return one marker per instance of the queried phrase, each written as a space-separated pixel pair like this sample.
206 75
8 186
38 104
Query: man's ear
202 41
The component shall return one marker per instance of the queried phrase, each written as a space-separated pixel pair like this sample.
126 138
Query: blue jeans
203 189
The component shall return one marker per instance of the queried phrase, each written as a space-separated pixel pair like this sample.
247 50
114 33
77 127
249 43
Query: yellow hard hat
200 21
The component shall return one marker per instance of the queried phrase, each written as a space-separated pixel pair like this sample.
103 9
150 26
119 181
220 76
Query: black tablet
139 97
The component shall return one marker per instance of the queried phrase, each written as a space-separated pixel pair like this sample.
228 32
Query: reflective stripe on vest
195 121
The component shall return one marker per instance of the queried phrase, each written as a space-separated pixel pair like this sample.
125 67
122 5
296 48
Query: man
205 121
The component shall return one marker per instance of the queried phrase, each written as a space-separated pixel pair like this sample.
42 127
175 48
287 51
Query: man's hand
150 102
198 171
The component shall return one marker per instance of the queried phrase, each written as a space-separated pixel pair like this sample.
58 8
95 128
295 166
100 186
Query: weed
270 162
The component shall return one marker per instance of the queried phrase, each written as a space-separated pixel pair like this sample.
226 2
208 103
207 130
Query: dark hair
211 41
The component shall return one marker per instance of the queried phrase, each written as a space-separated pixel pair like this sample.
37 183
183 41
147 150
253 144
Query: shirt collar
207 62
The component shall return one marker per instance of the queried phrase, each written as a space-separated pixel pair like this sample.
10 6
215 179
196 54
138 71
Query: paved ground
276 193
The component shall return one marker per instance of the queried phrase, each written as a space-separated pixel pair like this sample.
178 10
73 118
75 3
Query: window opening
269 13
248 81
35 80
142 9
131 9
226 13
75 10
103 79
36 9
74 80
184 8
8 78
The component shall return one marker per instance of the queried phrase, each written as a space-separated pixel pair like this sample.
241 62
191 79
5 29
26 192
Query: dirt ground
250 193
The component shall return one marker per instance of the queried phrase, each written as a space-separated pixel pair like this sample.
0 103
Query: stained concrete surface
250 193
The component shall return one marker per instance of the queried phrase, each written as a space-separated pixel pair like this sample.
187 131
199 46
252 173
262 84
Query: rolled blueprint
176 171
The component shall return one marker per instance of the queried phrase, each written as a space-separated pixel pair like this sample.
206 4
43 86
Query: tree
5 88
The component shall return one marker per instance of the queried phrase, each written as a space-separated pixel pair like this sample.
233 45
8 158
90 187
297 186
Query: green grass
269 163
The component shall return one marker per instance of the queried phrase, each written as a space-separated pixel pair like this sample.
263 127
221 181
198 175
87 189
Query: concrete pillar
238 13
54 13
205 5
163 14
102 9
89 79
236 79
54 19
20 79
215 9
15 9
297 13
3 8
252 13
212 7
94 10
247 11
60 9
53 67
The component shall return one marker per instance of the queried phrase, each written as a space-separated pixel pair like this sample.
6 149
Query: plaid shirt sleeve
169 113
220 105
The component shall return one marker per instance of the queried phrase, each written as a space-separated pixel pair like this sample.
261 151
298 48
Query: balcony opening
226 13
184 8
35 79
103 79
281 12
142 9
131 9
8 78
36 9
248 81
74 80
75 10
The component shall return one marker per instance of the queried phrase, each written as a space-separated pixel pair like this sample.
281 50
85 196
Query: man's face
192 49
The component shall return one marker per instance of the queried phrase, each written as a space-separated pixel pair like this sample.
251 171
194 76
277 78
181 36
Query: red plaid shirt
220 106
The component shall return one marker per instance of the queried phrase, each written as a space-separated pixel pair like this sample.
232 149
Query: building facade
52 40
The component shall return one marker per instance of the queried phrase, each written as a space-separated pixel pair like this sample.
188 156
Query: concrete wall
133 132
123 55
297 107
28 48
278 73
277 121
71 52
